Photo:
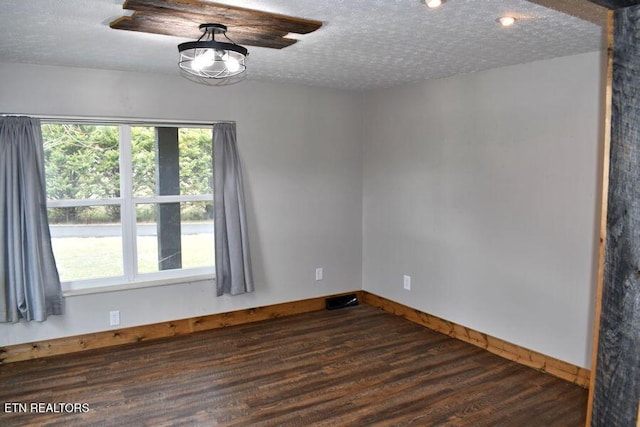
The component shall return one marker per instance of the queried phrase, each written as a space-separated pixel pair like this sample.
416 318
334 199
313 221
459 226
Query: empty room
307 213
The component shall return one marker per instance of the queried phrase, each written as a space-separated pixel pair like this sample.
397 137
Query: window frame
131 278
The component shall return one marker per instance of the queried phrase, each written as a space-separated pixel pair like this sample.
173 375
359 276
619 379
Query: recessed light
506 21
432 4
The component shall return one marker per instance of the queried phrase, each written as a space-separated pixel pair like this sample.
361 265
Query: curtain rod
116 120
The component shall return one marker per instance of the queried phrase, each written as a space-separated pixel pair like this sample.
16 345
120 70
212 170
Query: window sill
71 289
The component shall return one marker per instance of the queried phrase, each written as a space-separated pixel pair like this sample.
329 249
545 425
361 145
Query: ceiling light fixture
432 4
506 21
211 62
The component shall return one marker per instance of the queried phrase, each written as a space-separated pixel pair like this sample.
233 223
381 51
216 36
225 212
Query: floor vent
341 301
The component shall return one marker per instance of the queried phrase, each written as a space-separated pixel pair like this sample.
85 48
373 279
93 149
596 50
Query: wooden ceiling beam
615 4
246 26
187 28
586 10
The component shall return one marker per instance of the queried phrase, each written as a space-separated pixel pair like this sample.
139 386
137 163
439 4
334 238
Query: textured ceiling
363 44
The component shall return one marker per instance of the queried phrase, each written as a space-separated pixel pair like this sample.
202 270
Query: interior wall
484 189
302 156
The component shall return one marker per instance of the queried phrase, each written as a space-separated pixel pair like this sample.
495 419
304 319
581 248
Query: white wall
302 155
484 189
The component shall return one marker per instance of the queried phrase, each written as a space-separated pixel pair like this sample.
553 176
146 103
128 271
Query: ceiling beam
227 15
175 26
586 10
615 4
181 18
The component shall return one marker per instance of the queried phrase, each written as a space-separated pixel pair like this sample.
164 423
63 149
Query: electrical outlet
114 318
407 282
319 273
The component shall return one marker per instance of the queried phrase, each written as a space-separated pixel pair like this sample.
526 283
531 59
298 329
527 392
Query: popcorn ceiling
363 44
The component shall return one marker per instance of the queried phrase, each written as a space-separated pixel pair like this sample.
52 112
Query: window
129 204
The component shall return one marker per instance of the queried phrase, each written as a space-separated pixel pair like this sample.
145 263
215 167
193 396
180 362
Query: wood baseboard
65 345
530 358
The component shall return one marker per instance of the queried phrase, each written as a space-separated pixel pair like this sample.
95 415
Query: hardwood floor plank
357 366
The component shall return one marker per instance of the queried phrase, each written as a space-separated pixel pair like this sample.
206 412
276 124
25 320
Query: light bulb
434 3
507 21
205 59
232 63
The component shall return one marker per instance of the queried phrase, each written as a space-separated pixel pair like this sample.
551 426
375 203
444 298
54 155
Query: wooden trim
614 4
582 9
181 18
617 380
78 343
530 358
606 157
65 345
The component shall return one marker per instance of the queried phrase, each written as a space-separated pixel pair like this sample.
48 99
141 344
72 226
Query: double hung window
129 205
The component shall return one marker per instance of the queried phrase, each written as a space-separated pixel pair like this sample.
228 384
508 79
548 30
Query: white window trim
127 209
130 279
114 284
70 203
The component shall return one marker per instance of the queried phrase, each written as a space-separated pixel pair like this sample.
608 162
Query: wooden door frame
592 11
576 8
606 148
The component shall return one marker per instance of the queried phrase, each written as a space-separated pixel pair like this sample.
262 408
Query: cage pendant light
212 62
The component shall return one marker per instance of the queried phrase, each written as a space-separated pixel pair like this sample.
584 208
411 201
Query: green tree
82 162
196 169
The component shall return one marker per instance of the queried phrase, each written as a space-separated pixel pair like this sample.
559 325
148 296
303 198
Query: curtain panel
233 262
29 280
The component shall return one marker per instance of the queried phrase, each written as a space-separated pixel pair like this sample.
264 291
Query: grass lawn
80 258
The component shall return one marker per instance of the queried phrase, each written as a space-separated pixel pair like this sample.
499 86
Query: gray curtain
28 276
233 263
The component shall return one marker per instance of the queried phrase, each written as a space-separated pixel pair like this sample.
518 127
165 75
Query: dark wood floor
356 366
